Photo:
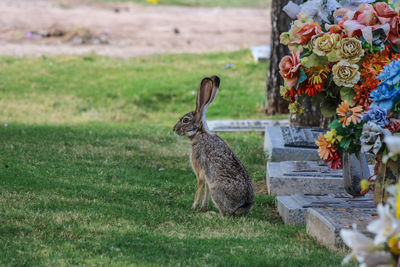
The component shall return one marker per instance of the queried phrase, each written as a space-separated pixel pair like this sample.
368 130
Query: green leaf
315 60
334 124
332 56
328 108
301 79
345 143
347 93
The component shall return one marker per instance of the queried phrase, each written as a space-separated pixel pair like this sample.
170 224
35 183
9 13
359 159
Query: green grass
91 173
204 3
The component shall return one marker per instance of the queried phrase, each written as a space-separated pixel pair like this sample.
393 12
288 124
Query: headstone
243 125
293 209
303 177
283 143
261 53
325 223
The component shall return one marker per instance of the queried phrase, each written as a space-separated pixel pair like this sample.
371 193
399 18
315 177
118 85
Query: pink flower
384 12
289 69
365 19
394 34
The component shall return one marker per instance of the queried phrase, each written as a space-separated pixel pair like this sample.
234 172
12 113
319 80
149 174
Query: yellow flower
364 185
398 204
350 49
325 44
332 138
153 1
317 74
394 244
345 74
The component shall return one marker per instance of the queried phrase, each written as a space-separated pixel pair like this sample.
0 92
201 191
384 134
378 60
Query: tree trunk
280 22
275 104
311 117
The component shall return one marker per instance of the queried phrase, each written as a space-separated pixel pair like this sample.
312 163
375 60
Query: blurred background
128 28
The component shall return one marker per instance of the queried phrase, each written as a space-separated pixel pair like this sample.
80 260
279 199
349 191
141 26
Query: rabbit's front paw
195 206
204 207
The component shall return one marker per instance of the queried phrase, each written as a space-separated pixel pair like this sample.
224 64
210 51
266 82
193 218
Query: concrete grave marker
243 125
293 209
303 177
284 143
325 223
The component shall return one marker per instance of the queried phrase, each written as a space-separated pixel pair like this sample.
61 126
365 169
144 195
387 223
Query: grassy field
91 173
204 3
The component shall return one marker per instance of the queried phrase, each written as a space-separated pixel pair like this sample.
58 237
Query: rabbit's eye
185 120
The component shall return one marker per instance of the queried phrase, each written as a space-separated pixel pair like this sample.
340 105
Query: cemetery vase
354 170
387 175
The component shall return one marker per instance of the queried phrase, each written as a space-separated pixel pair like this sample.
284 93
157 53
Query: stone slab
261 53
278 147
293 209
324 224
303 177
243 125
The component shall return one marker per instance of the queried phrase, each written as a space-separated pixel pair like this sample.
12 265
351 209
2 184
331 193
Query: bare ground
133 30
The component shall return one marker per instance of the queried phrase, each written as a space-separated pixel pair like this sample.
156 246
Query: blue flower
376 115
391 73
384 97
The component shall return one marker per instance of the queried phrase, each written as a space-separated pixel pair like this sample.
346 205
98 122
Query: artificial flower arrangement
346 57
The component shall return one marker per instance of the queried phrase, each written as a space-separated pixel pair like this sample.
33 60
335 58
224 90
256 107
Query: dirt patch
132 30
260 187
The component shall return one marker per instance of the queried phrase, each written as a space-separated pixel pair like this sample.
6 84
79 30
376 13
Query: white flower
315 9
292 9
385 226
393 143
359 243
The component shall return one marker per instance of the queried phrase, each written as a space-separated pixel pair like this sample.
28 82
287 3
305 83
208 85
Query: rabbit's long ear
216 81
207 92
204 95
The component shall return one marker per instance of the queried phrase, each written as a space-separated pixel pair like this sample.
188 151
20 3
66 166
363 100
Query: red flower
313 89
394 125
336 161
291 94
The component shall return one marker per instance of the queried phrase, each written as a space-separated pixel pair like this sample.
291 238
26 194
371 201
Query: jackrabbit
217 169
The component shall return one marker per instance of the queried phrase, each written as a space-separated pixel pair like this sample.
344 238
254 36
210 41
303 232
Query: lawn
91 173
204 3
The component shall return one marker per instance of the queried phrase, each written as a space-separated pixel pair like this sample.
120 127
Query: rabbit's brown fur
217 169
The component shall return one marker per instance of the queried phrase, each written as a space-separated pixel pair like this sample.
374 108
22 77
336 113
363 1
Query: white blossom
393 143
385 226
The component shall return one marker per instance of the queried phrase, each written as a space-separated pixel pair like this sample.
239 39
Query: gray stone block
276 148
325 224
302 177
293 209
290 211
243 125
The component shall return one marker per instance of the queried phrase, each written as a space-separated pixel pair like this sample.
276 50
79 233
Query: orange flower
349 114
313 89
325 149
306 33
